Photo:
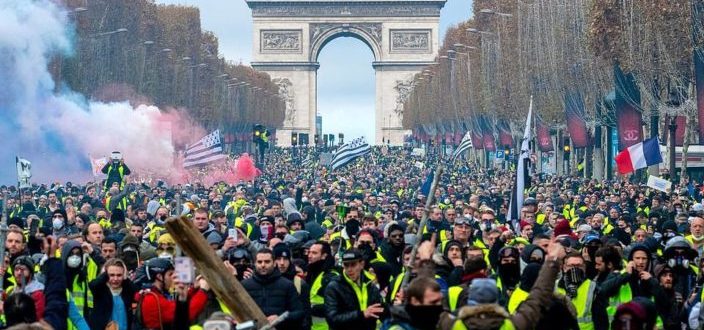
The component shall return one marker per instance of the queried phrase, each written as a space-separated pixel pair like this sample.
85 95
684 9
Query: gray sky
345 77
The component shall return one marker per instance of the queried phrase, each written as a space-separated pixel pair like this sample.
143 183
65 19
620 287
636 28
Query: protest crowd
334 250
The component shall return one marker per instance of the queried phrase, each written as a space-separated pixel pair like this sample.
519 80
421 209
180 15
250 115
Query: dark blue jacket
56 308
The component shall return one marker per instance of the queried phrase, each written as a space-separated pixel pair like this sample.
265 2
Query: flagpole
423 221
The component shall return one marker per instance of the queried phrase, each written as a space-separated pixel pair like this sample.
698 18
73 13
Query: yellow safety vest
453 295
121 170
360 291
317 298
517 297
121 205
583 303
624 295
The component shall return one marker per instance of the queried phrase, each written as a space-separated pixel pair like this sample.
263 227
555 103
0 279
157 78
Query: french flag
638 156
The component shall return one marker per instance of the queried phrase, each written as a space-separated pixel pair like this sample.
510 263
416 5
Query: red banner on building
628 117
505 137
576 126
543 136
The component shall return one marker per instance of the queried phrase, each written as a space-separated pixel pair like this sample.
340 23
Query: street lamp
120 30
473 30
491 12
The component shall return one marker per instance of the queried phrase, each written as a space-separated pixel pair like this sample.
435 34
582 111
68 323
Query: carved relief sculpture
280 41
286 91
410 40
403 89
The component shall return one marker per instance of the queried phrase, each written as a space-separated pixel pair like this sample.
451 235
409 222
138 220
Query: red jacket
155 303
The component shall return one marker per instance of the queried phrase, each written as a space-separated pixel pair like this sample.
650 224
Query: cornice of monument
351 8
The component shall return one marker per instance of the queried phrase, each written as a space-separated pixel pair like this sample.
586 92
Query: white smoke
57 132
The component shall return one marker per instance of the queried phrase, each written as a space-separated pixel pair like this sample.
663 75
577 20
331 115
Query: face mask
166 255
510 274
280 236
163 218
424 317
73 261
57 223
573 278
131 259
678 262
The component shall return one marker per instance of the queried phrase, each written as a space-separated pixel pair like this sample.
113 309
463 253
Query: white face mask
73 261
57 223
165 255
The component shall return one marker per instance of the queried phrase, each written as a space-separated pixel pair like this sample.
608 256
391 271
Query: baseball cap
351 255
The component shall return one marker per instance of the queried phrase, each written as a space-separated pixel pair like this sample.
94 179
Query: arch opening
346 86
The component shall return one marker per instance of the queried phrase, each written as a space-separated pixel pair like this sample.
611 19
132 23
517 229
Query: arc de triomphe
289 35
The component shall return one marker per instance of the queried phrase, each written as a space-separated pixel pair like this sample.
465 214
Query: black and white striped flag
349 152
464 146
522 178
207 150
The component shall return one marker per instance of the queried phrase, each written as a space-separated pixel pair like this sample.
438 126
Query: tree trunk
685 148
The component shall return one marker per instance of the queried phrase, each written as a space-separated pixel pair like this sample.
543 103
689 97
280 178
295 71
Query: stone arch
322 34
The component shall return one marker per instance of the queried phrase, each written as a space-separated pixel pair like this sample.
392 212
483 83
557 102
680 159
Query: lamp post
492 12
673 129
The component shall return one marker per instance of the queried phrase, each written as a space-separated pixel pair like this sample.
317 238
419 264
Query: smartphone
232 232
183 267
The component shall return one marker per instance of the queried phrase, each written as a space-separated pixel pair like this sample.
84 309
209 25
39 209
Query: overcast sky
345 77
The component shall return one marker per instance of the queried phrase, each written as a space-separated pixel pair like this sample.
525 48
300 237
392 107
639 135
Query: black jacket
304 295
103 303
275 295
56 309
342 305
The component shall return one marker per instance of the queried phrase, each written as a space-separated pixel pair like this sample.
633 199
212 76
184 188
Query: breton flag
207 150
639 155
349 152
521 175
24 172
464 146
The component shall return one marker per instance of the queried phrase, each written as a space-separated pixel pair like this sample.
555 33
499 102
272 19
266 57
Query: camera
116 156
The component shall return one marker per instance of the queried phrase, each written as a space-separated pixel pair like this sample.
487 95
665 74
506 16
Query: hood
66 249
33 286
289 206
399 313
484 316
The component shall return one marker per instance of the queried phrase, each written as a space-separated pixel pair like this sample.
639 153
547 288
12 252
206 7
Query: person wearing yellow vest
483 311
320 273
17 310
475 267
116 170
352 301
635 281
80 270
584 293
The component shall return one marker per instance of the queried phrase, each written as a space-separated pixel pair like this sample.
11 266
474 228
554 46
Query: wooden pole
423 221
221 281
